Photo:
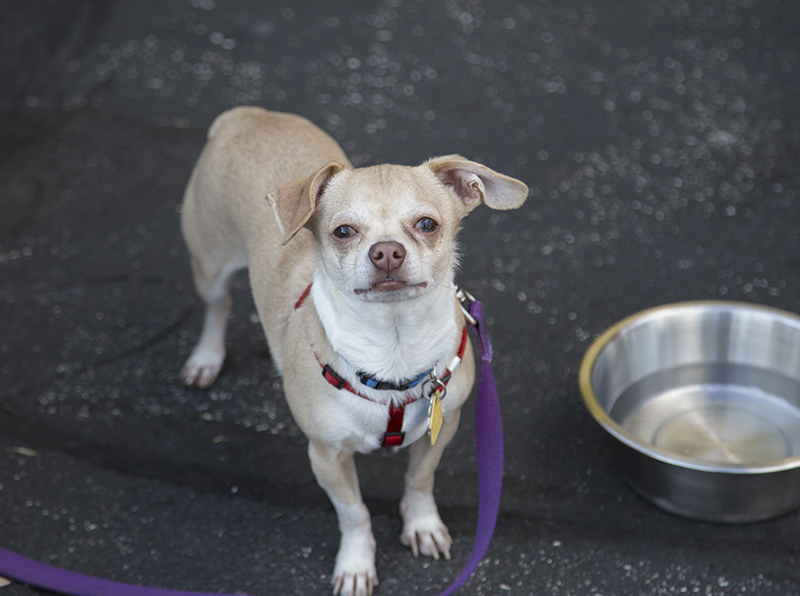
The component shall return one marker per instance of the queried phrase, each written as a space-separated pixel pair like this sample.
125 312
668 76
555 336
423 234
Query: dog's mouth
389 286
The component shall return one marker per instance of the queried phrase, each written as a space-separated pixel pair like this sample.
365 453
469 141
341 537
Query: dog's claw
414 545
432 544
361 584
355 573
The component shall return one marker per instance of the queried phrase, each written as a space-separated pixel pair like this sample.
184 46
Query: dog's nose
387 256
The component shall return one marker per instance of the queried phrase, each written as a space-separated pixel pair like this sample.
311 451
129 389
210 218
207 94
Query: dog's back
249 152
226 219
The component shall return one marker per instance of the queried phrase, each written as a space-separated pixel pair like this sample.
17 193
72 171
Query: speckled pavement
660 142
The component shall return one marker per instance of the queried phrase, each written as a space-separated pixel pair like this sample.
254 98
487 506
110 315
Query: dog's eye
427 225
344 232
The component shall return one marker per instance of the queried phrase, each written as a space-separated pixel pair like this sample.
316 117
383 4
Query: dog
352 274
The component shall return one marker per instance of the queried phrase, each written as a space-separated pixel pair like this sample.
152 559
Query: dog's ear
475 183
293 203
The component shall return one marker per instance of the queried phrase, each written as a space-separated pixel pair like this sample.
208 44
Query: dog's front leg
423 530
335 471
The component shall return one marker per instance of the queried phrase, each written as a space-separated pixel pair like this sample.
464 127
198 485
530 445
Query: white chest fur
390 341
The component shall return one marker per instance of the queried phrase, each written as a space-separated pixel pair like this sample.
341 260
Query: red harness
394 435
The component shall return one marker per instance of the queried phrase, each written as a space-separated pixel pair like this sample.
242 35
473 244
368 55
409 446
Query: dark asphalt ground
660 140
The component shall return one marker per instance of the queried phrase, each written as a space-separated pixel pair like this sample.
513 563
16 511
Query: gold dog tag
435 416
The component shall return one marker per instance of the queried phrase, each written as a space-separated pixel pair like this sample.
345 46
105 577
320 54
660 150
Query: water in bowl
715 413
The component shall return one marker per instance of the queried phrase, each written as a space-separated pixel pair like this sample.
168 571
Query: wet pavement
660 141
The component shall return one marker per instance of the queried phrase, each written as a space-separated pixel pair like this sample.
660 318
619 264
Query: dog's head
387 232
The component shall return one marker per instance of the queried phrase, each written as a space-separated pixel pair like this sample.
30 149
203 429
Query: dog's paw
423 530
428 536
202 368
355 574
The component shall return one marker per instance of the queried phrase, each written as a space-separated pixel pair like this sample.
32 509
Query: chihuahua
352 274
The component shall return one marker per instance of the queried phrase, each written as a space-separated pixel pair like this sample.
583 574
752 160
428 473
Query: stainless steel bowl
703 401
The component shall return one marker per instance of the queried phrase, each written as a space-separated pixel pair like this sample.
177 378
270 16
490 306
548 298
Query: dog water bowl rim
614 428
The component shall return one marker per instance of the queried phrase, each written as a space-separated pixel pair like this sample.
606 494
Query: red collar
303 296
339 382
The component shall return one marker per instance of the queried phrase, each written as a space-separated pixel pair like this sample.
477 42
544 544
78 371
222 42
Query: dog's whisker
345 281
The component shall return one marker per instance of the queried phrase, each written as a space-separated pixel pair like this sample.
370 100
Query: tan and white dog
352 274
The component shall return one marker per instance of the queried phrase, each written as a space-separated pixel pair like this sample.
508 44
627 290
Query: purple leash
489 441
46 577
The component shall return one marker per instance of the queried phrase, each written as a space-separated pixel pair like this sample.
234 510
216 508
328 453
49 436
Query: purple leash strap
47 577
489 441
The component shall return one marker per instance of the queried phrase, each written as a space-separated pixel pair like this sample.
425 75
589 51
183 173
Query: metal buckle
465 297
433 384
